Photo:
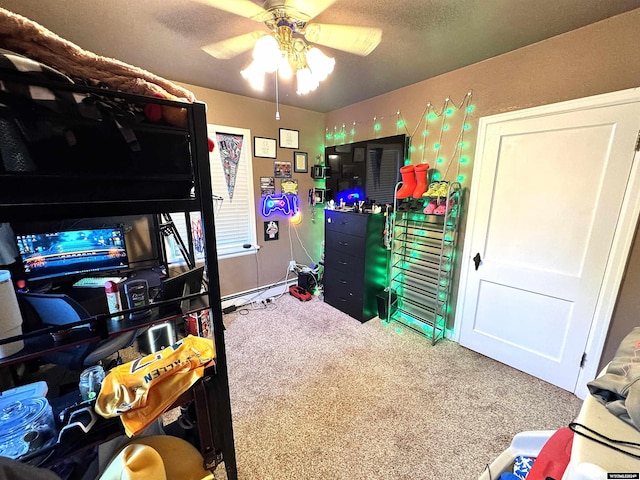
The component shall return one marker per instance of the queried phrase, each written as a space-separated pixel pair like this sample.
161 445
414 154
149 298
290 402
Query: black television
365 171
72 253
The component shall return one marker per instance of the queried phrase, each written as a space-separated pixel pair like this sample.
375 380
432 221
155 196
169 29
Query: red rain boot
408 182
421 179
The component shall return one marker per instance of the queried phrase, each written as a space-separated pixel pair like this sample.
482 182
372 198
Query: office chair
60 309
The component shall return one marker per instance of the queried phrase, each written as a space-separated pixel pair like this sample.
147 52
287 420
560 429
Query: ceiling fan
292 15
287 23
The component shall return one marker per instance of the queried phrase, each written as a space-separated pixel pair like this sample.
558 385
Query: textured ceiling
420 39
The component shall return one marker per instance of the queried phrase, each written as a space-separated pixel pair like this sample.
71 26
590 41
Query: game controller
300 293
287 204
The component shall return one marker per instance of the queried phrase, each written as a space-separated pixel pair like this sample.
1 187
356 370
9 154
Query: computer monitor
186 283
72 253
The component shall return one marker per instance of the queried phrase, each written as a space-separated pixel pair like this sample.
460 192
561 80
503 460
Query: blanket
28 38
618 389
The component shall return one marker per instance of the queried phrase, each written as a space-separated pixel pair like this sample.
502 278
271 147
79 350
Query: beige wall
247 272
596 59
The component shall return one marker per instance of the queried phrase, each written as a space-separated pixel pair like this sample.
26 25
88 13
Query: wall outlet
292 266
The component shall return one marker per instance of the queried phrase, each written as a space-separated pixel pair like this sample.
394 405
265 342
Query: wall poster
267 186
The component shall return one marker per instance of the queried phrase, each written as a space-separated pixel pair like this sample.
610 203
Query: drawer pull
344 244
344 282
343 263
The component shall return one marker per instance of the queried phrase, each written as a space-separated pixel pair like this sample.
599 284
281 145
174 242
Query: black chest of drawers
355 263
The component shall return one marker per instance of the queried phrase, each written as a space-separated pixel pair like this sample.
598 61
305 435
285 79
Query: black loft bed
71 149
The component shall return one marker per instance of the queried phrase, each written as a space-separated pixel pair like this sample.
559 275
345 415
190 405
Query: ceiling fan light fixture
320 64
289 43
307 82
284 70
266 54
254 74
286 54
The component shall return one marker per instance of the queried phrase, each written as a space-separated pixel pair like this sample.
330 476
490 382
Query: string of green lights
430 115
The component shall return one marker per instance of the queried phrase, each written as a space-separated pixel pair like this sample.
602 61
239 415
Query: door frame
623 236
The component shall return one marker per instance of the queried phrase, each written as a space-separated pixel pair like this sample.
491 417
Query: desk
40 342
94 300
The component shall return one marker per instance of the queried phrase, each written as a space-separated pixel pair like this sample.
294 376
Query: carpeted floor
316 394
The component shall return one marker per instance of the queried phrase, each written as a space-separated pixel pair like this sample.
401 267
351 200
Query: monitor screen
72 252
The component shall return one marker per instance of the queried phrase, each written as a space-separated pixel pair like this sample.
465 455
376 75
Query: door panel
550 192
551 179
524 328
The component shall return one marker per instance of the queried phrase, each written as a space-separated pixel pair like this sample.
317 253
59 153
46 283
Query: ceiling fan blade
233 46
309 8
244 8
358 40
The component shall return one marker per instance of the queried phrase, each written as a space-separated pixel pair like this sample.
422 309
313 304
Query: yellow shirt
141 390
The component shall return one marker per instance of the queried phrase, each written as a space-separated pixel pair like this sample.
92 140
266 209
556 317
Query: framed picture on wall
300 162
289 186
264 147
289 138
271 230
319 195
267 186
282 169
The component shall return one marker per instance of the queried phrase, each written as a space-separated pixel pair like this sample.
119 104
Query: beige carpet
316 394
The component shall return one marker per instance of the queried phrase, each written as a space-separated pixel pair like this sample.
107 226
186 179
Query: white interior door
549 186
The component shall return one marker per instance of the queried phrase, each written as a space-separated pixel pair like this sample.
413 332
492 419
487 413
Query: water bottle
113 298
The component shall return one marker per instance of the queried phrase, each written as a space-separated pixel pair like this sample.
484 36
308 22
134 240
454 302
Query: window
235 214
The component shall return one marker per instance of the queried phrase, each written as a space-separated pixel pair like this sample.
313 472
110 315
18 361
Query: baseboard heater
285 284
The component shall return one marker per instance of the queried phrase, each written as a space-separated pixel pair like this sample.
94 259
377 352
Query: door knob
477 260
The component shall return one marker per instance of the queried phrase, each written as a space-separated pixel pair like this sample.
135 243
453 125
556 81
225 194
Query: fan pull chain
277 104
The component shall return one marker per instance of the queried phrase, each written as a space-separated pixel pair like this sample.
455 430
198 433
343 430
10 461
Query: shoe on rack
443 208
403 207
433 188
421 170
415 205
408 182
428 210
443 190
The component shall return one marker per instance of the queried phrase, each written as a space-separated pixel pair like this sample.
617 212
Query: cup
90 382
